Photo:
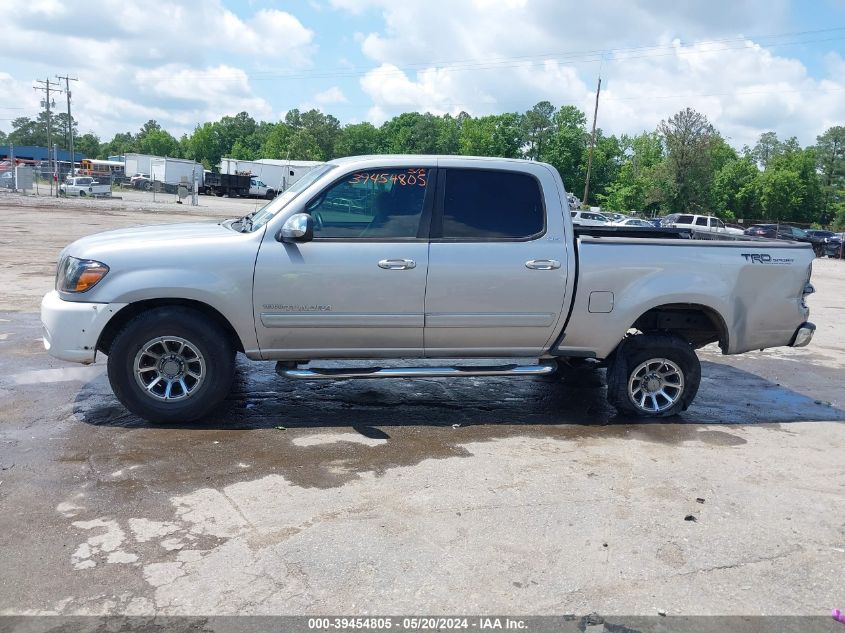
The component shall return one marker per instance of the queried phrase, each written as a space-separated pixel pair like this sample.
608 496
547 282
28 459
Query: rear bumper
71 329
803 335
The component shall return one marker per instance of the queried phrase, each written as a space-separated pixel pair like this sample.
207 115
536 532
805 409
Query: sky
751 65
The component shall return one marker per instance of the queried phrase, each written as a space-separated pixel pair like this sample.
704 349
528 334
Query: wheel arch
130 311
696 323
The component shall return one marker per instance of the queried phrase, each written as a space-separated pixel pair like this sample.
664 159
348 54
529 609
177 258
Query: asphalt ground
479 495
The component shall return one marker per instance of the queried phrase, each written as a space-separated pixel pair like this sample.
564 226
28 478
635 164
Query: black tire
634 352
210 340
270 194
81 194
147 185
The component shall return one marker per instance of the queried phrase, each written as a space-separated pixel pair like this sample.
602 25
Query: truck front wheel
171 364
653 375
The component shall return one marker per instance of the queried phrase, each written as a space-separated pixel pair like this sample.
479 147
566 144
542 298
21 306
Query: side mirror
297 228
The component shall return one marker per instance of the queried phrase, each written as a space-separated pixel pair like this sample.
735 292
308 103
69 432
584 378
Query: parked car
820 233
83 186
700 223
833 245
7 180
491 267
141 181
634 222
787 232
667 220
614 217
589 218
257 189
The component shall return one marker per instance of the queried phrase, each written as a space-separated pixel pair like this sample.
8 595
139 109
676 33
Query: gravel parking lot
419 496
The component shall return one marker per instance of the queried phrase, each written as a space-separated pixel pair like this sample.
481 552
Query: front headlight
79 275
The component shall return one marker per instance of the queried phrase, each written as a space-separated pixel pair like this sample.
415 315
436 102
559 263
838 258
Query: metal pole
51 164
13 163
68 79
592 146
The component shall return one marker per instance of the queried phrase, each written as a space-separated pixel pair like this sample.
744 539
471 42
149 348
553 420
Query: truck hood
149 238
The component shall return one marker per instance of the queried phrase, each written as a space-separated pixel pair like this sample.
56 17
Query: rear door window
702 221
481 204
684 219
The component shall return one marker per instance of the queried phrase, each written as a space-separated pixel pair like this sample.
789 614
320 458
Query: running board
316 373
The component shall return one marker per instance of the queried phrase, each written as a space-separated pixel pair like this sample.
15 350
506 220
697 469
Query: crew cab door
357 290
497 262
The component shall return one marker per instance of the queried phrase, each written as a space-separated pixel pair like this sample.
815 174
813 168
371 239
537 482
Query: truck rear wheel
270 194
653 375
171 364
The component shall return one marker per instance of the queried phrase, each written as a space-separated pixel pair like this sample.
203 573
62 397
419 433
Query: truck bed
657 233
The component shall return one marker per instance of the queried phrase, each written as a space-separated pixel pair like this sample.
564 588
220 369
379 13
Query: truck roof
430 158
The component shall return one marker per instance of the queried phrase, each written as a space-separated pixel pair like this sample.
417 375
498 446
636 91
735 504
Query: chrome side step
316 373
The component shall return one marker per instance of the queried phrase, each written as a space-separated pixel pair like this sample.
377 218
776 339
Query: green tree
24 132
121 143
88 145
157 142
830 154
735 188
415 133
638 185
303 146
358 139
537 123
766 148
565 145
203 146
790 189
688 137
242 151
277 143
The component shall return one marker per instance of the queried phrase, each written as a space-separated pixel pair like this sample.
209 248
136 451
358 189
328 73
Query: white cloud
330 96
139 60
484 56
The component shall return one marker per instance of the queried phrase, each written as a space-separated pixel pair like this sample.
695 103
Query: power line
614 55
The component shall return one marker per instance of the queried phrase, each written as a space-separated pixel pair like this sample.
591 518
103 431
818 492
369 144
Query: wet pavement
476 495
479 494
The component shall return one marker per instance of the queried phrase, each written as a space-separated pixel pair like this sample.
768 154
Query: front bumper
803 335
72 329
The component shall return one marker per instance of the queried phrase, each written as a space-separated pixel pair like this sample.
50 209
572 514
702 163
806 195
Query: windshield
798 232
269 210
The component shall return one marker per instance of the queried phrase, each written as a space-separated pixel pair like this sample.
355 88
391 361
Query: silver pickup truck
411 257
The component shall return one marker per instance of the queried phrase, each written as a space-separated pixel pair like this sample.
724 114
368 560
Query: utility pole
46 88
592 146
69 119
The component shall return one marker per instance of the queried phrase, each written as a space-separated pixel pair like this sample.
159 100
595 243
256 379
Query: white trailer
135 164
278 175
172 172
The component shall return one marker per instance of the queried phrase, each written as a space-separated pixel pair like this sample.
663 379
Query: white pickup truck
83 186
408 257
257 189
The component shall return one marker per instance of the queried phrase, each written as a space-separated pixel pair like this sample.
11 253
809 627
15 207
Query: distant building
36 153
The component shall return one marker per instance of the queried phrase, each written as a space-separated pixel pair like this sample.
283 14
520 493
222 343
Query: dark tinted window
701 221
378 203
684 219
491 204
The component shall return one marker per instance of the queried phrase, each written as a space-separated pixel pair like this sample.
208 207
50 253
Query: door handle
542 264
397 264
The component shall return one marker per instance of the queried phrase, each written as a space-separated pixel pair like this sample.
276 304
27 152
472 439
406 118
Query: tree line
683 165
